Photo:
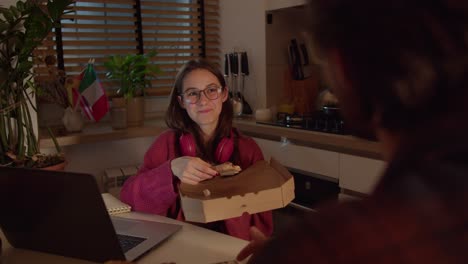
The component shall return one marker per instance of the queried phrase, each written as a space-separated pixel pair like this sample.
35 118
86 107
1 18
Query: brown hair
177 118
406 59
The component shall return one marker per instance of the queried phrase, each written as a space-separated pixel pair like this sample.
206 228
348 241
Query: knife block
302 93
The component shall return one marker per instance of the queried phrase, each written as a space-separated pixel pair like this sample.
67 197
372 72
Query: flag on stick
91 96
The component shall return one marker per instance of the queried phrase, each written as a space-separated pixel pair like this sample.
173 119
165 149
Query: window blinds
178 30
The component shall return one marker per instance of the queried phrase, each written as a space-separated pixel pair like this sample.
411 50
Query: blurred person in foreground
400 71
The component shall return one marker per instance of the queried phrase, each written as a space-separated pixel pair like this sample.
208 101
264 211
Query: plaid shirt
417 214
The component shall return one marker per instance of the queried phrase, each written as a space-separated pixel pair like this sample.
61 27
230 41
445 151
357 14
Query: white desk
191 245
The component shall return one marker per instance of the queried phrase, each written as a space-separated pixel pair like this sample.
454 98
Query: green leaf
9 16
20 6
56 8
15 12
133 71
3 27
16 65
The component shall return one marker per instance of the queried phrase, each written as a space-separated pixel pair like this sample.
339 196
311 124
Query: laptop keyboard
129 242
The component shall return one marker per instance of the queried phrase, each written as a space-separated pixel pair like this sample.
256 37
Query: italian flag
91 95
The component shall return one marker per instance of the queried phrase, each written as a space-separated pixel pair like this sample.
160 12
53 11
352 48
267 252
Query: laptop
63 213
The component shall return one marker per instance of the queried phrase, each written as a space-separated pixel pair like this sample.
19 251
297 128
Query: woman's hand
256 244
192 170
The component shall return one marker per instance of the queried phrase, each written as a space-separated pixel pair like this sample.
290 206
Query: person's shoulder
163 143
332 226
166 134
244 138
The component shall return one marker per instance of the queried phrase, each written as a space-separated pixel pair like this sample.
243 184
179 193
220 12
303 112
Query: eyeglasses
192 96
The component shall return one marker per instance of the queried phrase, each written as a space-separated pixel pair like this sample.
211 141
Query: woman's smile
205 111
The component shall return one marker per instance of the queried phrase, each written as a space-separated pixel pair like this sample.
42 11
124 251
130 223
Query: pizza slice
227 169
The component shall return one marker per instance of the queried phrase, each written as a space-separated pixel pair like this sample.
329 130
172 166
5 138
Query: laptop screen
56 212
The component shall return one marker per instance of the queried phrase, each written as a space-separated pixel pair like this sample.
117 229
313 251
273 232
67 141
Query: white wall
242 24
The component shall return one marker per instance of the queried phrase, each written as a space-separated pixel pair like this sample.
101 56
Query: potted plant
23 27
133 74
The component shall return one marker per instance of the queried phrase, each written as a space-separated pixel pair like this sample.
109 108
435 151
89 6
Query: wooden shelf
99 132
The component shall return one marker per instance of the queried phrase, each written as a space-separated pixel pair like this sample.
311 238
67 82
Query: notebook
64 213
115 206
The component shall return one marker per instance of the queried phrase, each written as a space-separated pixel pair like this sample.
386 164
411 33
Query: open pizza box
261 187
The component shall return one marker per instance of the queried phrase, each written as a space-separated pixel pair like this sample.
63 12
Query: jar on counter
119 117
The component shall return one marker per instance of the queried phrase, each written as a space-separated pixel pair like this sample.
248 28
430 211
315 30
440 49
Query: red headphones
224 149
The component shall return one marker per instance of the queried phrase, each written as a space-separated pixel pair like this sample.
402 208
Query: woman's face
205 112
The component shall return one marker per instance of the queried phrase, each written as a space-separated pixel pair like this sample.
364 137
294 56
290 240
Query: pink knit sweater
155 189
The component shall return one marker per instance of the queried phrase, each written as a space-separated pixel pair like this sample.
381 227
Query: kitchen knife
307 68
227 71
244 64
297 64
305 55
292 62
235 65
233 68
226 65
246 109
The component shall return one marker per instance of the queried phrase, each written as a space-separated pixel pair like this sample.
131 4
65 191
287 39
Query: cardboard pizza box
261 187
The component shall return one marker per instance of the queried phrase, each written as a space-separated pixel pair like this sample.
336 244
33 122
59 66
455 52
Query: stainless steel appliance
310 191
327 120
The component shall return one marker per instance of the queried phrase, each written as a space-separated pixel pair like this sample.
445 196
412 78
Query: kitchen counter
327 141
99 132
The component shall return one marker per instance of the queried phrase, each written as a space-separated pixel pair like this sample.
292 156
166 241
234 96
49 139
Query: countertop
99 132
333 142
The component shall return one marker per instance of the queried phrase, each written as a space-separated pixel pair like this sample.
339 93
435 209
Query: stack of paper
114 205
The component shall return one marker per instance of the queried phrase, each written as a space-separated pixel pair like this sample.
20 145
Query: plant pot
72 120
118 117
135 111
118 102
56 167
118 113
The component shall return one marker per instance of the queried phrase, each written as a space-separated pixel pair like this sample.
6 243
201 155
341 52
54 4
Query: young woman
201 134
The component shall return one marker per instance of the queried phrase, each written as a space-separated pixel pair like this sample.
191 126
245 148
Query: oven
310 190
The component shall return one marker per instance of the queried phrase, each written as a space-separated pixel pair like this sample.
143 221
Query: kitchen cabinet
354 173
283 26
244 26
359 174
311 160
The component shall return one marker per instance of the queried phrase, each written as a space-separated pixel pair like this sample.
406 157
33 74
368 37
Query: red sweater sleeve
152 189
